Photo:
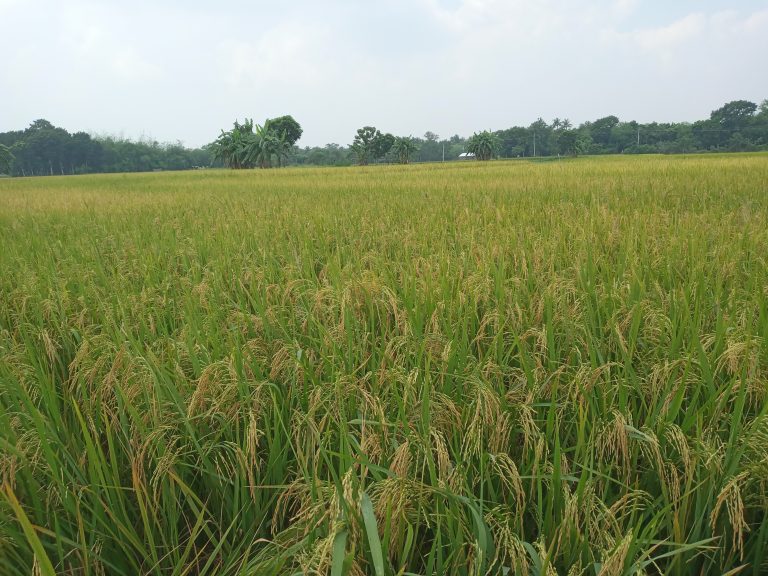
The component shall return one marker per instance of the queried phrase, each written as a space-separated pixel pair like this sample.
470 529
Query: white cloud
623 9
291 54
127 65
720 33
757 22
8 4
668 37
184 70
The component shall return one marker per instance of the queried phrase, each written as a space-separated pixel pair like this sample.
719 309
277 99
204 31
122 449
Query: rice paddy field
483 368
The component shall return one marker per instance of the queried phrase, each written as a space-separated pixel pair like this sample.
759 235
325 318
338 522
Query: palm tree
404 147
483 145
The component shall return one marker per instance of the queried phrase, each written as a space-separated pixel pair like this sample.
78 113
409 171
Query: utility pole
443 151
638 136
534 143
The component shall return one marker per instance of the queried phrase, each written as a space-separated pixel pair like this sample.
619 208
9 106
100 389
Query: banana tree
233 147
249 145
404 147
483 145
267 146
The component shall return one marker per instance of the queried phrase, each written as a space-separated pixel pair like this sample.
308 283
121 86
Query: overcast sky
184 69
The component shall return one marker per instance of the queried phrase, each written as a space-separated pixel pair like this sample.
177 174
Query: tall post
534 143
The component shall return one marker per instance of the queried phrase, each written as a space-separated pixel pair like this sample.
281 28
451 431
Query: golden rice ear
614 560
281 363
165 463
730 496
613 443
484 406
28 453
400 501
677 439
606 528
577 570
510 551
442 457
318 558
487 328
446 415
741 356
571 523
527 421
545 556
401 461
500 435
213 379
510 477
371 444
755 443
742 361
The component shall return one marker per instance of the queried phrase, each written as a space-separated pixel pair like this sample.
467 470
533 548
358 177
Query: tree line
44 149
737 126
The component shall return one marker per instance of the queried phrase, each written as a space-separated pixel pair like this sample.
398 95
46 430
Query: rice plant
497 368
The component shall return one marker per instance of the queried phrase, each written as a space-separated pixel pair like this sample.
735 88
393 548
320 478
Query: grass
513 367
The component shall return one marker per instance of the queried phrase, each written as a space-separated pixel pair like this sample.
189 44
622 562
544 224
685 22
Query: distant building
467 156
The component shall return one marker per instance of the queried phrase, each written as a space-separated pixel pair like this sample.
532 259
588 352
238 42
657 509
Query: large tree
287 127
601 131
6 159
370 144
484 145
734 115
572 142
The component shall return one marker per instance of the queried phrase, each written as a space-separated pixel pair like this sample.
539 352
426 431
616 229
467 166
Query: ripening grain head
538 368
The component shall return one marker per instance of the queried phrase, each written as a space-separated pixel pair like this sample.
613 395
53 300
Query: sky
182 70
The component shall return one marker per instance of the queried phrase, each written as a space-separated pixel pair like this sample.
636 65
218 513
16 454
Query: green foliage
363 144
237 147
370 145
45 150
328 155
404 147
525 368
270 145
740 119
734 114
484 145
286 128
6 159
572 142
249 145
601 130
